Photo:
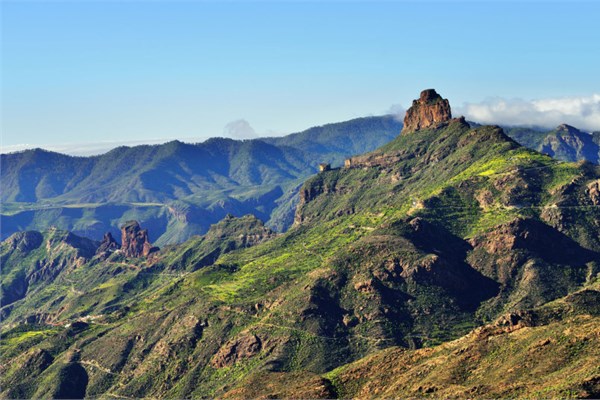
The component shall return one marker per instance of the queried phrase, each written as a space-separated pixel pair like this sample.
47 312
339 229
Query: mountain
176 189
547 352
565 143
448 256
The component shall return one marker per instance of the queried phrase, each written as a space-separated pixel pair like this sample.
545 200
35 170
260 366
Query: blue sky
76 72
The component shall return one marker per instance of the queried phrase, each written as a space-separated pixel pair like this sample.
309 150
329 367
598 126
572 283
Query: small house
324 167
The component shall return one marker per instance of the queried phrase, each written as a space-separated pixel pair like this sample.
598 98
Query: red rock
241 348
135 240
430 110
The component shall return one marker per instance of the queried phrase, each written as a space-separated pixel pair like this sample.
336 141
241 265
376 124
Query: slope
547 352
179 189
413 245
565 142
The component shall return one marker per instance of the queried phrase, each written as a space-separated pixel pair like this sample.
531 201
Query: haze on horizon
81 77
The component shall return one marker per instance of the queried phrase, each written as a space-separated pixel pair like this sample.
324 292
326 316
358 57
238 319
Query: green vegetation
430 237
176 189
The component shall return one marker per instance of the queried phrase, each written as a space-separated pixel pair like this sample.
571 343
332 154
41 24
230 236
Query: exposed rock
283 385
108 244
570 144
135 240
84 247
516 319
246 231
324 167
593 191
238 349
535 237
25 241
367 286
485 198
428 111
507 323
310 192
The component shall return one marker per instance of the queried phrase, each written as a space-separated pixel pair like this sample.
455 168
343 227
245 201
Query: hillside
547 352
176 189
179 189
565 142
416 244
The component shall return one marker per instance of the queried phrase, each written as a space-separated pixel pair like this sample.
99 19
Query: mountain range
449 262
179 189
176 189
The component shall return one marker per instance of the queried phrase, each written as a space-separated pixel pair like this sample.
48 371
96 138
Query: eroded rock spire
135 240
428 111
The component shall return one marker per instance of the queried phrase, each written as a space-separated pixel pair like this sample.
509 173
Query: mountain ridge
424 240
161 184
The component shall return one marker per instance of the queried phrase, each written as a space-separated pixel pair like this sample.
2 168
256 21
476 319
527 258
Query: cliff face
135 240
429 110
108 244
570 144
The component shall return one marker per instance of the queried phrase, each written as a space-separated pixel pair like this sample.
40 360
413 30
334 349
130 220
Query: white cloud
89 149
239 129
581 112
397 111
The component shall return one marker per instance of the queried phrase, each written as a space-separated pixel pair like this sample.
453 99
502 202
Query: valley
448 262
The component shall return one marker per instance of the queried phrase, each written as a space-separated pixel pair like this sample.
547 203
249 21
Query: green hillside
412 246
177 189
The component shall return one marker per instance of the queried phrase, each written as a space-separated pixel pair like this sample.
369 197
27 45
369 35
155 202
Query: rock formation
244 347
593 191
108 244
135 240
25 241
428 111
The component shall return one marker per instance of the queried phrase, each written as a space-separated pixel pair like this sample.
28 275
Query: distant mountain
450 262
176 189
565 143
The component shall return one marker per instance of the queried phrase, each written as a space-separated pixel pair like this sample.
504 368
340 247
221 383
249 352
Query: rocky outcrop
25 241
534 237
238 349
135 240
108 244
428 111
238 232
593 191
62 251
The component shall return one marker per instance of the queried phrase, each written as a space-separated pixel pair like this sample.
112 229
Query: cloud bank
581 112
397 111
239 129
92 148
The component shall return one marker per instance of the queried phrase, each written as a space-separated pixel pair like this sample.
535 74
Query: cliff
429 110
135 240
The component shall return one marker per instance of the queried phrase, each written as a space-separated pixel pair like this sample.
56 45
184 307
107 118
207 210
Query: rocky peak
108 244
25 241
429 110
135 240
564 128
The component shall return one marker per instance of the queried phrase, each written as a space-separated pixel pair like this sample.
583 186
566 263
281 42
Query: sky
83 76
